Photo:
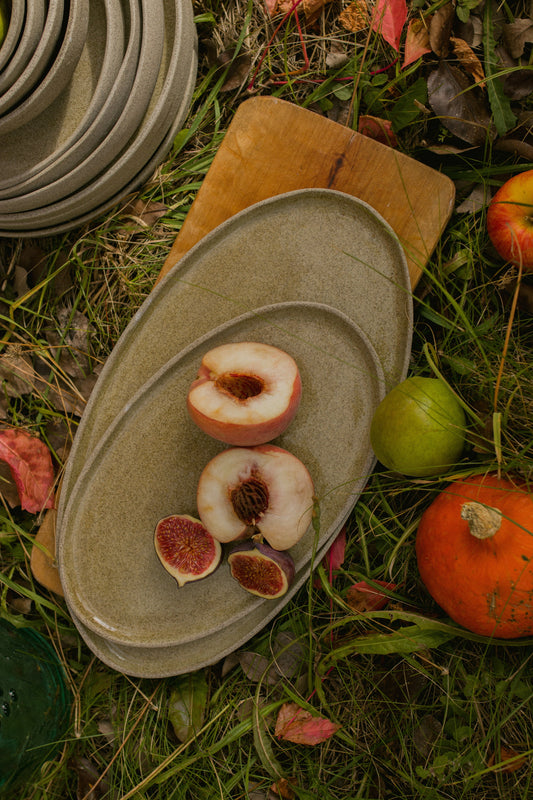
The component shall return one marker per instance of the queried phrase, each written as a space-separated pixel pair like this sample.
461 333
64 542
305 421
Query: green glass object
34 704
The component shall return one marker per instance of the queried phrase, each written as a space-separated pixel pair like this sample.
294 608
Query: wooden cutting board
272 147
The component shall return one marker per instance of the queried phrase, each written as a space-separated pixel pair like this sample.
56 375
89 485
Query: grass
438 717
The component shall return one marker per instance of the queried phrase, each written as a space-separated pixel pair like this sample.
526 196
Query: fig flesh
185 548
260 569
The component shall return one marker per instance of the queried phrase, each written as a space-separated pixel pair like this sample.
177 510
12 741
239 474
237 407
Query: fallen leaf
283 788
478 198
257 667
311 8
458 105
389 18
238 72
440 29
289 654
334 558
378 129
295 724
70 341
17 375
516 35
507 760
31 466
468 60
354 17
187 705
144 213
8 487
416 42
426 734
362 596
91 785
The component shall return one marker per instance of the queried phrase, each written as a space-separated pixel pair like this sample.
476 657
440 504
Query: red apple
510 220
265 490
245 394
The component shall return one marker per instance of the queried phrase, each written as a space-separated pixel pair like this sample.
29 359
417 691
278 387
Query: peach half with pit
245 394
263 491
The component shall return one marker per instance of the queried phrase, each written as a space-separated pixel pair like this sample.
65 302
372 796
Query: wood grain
273 146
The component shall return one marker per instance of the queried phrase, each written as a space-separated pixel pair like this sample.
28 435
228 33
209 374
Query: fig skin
254 563
185 548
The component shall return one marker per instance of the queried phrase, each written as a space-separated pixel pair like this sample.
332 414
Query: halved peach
263 490
246 393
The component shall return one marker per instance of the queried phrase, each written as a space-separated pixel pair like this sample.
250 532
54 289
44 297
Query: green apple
418 429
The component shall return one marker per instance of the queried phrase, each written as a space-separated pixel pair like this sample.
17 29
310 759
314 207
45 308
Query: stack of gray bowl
92 95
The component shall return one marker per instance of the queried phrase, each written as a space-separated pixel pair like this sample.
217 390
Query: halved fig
185 548
243 491
260 569
246 393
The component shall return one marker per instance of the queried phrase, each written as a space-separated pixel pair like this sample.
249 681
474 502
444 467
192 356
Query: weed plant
447 719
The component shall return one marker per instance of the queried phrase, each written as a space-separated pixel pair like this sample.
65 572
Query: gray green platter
339 300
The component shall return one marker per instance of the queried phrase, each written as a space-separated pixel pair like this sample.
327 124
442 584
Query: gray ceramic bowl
53 201
11 78
80 117
59 73
16 21
138 180
173 80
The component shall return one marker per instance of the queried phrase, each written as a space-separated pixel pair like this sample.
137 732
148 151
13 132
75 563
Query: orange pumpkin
474 548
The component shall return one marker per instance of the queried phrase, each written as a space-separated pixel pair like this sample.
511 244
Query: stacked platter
137 455
92 94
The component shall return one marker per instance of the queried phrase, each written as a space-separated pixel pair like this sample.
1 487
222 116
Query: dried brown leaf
507 760
426 734
70 341
311 8
440 29
355 17
90 784
257 667
17 375
478 198
468 59
283 788
144 214
516 35
460 107
237 73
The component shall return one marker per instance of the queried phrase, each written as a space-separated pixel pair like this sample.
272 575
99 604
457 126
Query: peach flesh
246 393
264 489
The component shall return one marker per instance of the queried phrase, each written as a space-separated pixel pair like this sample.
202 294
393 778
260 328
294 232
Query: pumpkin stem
483 521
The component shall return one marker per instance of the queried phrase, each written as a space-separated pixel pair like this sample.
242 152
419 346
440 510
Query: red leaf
30 463
378 129
389 19
364 597
335 555
295 724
